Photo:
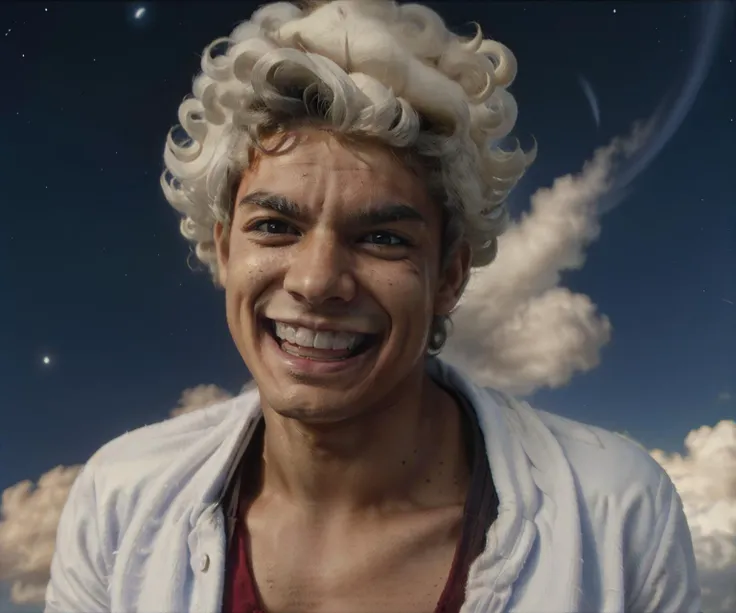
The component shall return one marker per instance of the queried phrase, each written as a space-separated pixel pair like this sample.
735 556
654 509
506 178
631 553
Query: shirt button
204 563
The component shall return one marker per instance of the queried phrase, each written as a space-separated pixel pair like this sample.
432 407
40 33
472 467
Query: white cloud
28 518
705 477
199 397
516 328
30 513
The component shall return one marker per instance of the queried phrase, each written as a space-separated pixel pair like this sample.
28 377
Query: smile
319 345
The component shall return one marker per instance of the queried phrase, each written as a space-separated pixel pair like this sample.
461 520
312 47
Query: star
139 12
46 360
614 11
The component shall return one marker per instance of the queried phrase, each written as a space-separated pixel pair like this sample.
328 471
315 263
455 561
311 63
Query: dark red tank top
481 509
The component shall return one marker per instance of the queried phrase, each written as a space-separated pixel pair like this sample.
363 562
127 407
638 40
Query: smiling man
340 179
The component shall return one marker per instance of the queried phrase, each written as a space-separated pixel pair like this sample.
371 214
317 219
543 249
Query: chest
364 570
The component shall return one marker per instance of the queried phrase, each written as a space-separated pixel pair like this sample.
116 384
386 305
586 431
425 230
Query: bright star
46 360
139 13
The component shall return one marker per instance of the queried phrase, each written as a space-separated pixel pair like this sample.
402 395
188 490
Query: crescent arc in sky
592 99
714 17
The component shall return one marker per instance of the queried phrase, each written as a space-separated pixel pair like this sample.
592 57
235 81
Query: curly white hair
363 68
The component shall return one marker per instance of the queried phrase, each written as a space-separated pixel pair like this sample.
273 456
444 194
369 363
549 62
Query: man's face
332 276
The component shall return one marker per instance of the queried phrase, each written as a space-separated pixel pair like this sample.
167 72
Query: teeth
323 340
304 337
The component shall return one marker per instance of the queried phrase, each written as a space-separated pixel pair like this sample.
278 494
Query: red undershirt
481 508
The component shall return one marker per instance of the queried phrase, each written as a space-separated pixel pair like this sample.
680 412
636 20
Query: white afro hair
363 68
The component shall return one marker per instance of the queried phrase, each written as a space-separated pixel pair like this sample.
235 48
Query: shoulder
615 478
133 485
164 467
161 441
605 463
625 497
630 507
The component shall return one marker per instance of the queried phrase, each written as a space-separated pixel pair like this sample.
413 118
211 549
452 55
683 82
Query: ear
453 280
222 248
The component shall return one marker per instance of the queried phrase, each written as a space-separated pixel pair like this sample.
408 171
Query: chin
310 405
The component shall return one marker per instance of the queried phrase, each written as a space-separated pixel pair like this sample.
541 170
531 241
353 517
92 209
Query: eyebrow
274 202
369 216
387 213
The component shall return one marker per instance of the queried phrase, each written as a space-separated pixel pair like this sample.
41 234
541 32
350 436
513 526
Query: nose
319 271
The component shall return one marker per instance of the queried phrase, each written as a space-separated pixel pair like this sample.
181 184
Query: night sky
94 273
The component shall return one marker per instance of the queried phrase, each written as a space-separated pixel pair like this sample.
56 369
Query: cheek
250 271
406 292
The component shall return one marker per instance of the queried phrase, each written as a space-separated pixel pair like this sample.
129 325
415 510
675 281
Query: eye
273 226
385 239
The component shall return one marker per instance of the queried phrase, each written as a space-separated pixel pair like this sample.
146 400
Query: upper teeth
304 337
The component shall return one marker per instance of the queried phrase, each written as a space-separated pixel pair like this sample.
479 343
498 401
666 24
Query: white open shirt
588 521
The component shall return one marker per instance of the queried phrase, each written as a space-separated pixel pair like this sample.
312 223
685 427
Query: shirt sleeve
78 568
667 579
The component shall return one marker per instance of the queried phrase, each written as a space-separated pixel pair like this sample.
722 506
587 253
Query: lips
313 344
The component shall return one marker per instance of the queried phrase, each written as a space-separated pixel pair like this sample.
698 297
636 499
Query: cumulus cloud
30 513
705 477
28 518
517 329
199 397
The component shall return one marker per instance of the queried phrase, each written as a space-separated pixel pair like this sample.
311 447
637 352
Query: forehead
319 164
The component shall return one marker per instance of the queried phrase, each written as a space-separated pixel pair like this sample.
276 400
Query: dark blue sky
93 271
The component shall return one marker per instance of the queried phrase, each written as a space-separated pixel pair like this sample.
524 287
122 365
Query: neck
410 450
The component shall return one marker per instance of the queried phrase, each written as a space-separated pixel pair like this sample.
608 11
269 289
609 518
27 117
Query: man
340 180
